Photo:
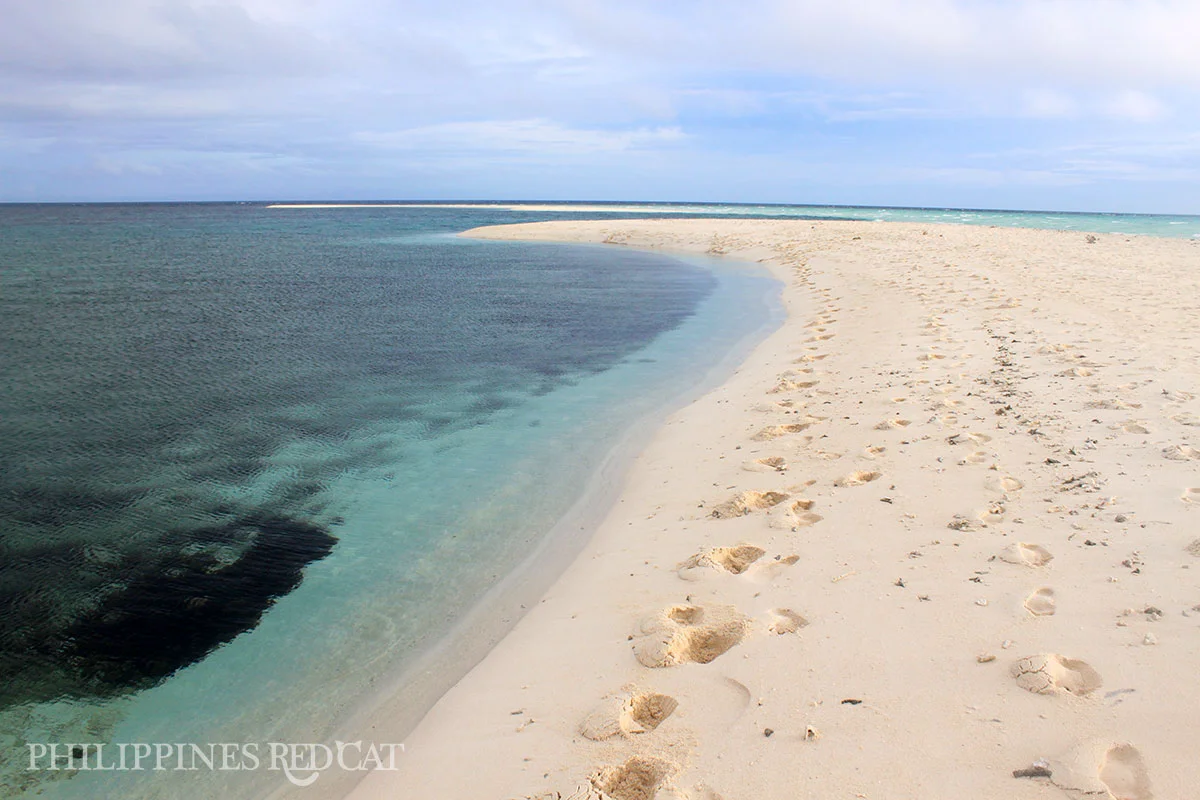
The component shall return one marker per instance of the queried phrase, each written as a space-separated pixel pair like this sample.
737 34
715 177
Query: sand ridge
999 596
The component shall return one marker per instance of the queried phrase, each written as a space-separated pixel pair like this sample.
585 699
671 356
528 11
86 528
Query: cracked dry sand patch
1041 602
1050 673
736 559
747 503
630 714
1026 554
686 633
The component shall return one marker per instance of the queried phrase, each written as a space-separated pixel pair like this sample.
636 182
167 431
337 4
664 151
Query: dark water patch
171 367
154 614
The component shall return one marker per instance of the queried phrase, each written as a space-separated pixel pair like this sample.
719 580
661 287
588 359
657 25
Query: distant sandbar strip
505 206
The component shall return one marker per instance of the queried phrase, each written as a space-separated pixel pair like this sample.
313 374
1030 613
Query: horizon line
597 205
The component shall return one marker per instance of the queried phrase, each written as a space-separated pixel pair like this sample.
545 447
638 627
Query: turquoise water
1172 225
255 463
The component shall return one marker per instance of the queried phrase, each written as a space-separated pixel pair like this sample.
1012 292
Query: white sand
978 532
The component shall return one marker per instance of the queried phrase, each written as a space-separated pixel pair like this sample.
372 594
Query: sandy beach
938 537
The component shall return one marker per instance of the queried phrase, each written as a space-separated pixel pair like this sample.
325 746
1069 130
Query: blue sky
1054 104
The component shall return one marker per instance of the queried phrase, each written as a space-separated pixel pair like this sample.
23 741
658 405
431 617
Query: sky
1084 105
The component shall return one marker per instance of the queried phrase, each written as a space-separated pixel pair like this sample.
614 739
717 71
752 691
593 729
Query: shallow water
251 461
1170 225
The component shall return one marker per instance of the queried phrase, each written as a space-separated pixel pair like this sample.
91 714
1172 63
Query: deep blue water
243 448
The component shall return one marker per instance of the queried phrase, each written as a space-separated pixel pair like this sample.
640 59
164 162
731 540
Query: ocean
255 464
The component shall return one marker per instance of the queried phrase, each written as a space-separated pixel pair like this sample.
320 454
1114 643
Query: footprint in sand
736 559
1106 769
1187 418
789 385
1191 495
858 478
810 358
930 357
1181 452
1116 404
974 436
873 451
629 714
747 503
1124 773
1006 484
743 558
1041 602
975 457
685 633
801 514
639 778
770 463
1076 372
1193 549
776 431
1050 673
784 620
994 512
1134 427
1030 555
893 424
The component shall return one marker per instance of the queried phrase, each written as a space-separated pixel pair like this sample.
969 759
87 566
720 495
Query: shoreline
994 318
401 700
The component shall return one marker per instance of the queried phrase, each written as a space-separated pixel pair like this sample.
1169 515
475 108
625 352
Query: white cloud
519 136
1135 106
1047 104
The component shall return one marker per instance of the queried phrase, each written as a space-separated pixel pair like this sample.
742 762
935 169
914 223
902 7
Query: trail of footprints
690 633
